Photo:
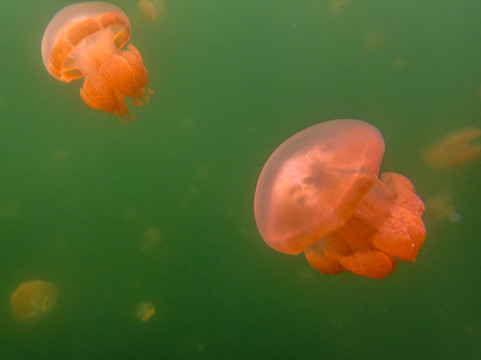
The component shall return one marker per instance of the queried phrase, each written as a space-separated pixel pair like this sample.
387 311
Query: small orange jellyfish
454 150
145 310
33 300
319 192
84 40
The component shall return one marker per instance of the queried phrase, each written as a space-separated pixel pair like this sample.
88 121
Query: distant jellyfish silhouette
454 149
441 207
152 10
398 63
152 239
145 310
338 6
373 40
9 210
319 192
33 300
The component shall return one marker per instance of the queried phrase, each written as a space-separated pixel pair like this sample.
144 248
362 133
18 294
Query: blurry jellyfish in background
189 346
398 63
145 310
60 155
152 10
33 300
85 40
373 40
454 217
131 215
338 6
9 210
152 239
454 150
319 193
441 207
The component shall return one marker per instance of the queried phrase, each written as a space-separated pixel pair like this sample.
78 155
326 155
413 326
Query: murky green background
232 80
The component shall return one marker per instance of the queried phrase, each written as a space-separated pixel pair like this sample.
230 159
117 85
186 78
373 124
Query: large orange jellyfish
84 40
319 192
33 300
455 149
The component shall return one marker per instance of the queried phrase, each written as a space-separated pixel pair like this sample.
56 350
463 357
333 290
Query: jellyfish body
33 300
145 310
152 10
338 6
319 192
441 207
455 149
85 40
152 239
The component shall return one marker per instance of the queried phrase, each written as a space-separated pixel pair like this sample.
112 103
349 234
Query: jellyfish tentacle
403 233
372 263
120 75
98 94
134 59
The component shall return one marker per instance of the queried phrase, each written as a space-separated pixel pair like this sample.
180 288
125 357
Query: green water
232 80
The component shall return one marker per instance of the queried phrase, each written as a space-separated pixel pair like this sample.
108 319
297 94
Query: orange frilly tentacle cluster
122 74
386 224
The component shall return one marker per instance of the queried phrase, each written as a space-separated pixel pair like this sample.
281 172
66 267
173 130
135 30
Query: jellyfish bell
319 192
33 300
85 40
313 182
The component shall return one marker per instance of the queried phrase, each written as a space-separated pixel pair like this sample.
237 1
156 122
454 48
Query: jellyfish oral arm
387 223
119 74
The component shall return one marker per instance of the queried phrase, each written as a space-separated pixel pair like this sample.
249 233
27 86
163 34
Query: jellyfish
152 10
398 63
152 239
373 40
454 150
319 193
85 40
338 6
33 300
9 210
145 310
441 207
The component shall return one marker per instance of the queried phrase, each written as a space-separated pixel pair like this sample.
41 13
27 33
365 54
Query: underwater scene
224 179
